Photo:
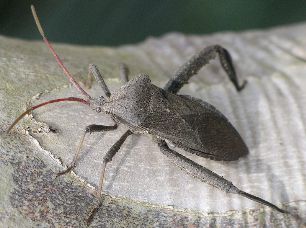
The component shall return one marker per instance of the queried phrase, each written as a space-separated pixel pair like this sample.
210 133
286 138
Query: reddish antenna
57 58
45 103
61 64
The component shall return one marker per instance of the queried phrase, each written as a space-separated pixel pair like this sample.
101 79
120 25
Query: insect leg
192 67
89 129
124 73
208 176
93 69
107 158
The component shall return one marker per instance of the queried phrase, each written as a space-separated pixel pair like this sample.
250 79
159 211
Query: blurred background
111 23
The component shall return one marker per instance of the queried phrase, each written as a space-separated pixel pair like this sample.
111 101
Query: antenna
57 58
45 103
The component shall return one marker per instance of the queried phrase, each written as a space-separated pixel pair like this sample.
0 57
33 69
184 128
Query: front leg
209 177
89 129
93 70
192 67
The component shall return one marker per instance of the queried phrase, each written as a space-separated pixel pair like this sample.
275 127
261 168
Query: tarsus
259 200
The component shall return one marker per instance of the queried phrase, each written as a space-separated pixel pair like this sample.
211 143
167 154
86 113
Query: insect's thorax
134 101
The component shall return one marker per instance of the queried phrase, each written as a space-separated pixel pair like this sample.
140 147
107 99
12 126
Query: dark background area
109 22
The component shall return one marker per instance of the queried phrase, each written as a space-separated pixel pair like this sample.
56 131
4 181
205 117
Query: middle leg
106 159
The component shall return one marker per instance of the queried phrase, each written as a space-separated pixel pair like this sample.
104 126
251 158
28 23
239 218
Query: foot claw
97 194
239 88
65 171
93 213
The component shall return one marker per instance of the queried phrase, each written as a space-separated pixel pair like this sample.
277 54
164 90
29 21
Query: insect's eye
98 109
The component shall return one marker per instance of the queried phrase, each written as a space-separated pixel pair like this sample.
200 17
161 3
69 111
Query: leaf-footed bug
186 122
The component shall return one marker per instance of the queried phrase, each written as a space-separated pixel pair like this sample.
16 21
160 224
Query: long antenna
57 58
45 103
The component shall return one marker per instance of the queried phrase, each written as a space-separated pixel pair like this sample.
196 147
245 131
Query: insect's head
97 103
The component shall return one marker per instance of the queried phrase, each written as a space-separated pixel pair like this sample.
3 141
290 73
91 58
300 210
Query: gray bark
142 187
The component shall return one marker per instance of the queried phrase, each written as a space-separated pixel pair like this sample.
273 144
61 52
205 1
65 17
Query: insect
186 122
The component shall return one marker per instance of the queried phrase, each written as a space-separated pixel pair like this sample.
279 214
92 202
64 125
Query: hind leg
192 67
209 177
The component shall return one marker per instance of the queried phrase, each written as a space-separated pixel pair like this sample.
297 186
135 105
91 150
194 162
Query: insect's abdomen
197 127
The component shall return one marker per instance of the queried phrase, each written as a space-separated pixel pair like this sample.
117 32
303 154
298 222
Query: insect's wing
195 126
189 123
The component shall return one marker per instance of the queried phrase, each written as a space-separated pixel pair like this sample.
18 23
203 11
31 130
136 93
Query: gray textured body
186 122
